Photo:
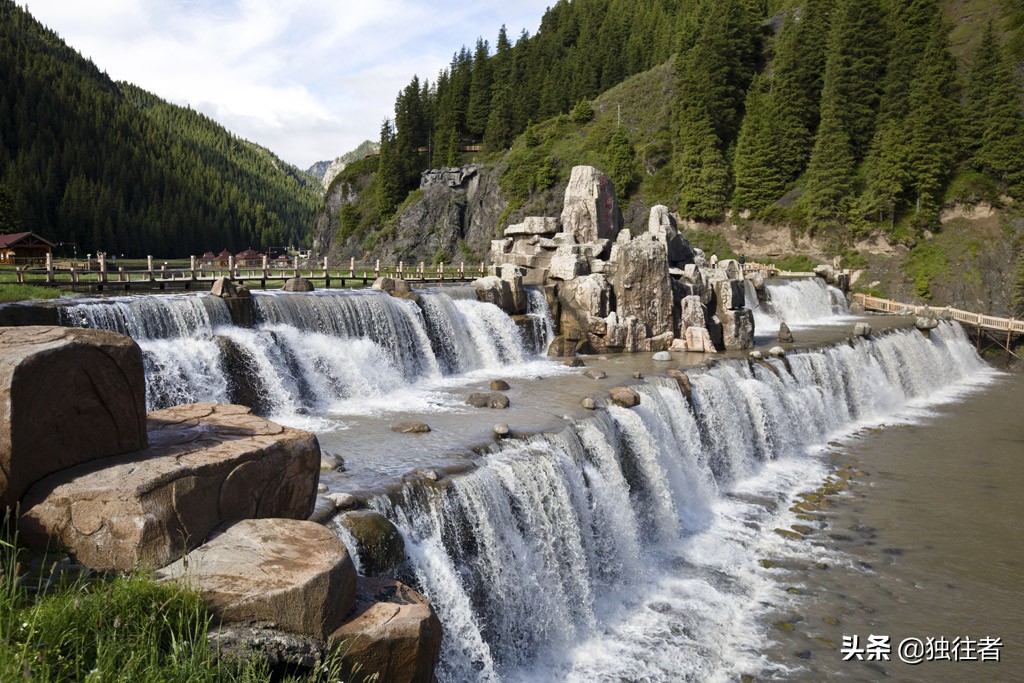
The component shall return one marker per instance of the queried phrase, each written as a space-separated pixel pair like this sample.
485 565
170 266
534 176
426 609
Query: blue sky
309 79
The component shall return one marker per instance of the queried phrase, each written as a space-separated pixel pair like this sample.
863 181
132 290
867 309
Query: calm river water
928 543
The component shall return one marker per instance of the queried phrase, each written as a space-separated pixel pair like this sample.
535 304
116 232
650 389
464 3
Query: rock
281 652
682 379
698 340
491 400
732 269
737 329
661 342
499 385
380 546
692 312
224 288
591 211
926 322
343 501
638 375
568 263
756 355
594 373
331 461
392 631
588 294
574 363
785 335
321 488
493 290
67 396
298 284
589 403
777 352
292 573
862 330
663 226
626 397
642 285
206 464
729 295
662 356
501 430
534 225
411 427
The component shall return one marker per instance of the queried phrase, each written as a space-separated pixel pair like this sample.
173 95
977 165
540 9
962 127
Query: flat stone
392 631
293 573
594 373
534 225
411 427
206 464
68 396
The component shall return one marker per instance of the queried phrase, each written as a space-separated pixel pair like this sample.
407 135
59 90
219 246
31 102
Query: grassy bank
109 629
15 292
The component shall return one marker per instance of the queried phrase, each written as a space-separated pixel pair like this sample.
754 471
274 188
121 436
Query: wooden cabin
22 247
249 258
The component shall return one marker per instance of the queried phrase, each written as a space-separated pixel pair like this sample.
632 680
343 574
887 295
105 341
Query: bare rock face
292 573
590 294
591 211
69 396
206 464
392 631
730 295
698 340
663 226
298 284
568 263
493 290
737 329
692 312
534 225
642 285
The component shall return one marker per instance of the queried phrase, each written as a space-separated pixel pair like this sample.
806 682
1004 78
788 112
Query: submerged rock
594 373
491 400
499 385
589 403
380 544
411 427
862 330
662 356
785 335
627 397
501 430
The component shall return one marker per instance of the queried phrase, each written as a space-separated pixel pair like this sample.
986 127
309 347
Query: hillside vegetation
106 166
841 122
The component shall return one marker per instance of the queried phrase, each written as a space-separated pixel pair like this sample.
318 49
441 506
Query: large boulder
69 396
642 285
534 225
589 294
568 263
692 312
519 301
729 294
295 574
662 225
392 631
493 290
591 211
698 340
737 329
381 547
206 464
298 284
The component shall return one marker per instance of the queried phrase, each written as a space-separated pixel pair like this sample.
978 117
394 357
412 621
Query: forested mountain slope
109 167
839 122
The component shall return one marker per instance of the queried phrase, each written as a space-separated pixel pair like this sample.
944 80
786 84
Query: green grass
14 292
128 628
710 243
799 263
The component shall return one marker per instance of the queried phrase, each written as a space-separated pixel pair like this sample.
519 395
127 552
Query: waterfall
308 353
798 302
540 315
622 548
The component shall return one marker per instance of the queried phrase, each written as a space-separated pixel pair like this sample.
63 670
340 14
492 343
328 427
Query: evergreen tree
389 172
830 174
761 178
621 162
480 91
995 122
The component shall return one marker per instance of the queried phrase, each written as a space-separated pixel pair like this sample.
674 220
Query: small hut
249 258
23 247
223 258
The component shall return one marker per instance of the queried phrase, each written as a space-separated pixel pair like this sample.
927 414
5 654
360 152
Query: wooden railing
987 322
100 272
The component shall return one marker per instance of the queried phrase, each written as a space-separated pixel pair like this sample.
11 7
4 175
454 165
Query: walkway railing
986 322
99 272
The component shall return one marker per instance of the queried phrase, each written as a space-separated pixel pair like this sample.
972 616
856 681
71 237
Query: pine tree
830 175
389 172
760 177
480 91
995 121
621 162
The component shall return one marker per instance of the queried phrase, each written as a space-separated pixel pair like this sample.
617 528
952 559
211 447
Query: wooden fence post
49 267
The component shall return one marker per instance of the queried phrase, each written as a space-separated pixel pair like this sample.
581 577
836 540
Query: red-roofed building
249 257
24 245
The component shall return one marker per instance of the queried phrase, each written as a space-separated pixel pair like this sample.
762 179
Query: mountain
326 171
759 130
106 166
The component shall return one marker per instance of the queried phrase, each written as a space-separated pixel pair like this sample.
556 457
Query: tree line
104 166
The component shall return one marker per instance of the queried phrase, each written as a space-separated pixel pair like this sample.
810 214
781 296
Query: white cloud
310 79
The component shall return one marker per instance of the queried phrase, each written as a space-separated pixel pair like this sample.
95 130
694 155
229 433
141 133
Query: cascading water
796 302
623 548
307 352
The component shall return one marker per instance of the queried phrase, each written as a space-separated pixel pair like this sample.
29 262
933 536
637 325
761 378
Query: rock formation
609 291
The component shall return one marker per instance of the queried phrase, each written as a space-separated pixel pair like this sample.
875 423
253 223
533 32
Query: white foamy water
803 301
626 547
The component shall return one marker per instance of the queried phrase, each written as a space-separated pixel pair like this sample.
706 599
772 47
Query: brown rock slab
207 464
292 573
67 396
392 631
411 427
625 397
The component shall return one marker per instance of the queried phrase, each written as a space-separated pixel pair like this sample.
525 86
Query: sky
308 79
